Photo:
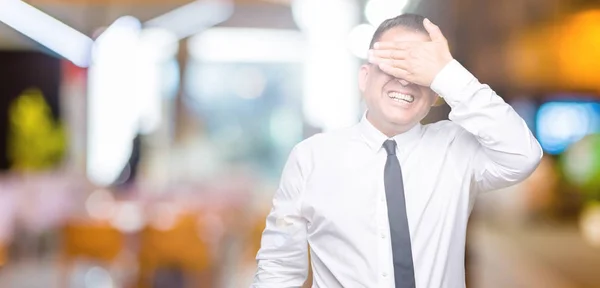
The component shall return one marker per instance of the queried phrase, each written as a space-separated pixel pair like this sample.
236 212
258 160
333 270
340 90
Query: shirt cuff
451 81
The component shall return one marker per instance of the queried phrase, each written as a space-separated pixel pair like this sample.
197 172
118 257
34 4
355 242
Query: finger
378 60
394 72
401 64
434 31
389 54
394 45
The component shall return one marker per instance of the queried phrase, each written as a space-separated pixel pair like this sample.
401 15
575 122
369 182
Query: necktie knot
390 147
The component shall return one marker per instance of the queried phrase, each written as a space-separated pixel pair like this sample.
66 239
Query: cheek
428 95
379 80
374 90
370 97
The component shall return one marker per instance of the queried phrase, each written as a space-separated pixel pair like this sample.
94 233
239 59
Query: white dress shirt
331 198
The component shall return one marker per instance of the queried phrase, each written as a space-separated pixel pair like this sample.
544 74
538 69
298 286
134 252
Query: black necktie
404 273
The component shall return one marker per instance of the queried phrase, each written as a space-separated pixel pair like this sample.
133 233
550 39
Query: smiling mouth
400 97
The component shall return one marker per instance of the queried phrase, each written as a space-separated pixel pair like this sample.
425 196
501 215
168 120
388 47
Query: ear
363 75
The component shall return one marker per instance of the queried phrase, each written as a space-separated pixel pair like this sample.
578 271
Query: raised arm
505 151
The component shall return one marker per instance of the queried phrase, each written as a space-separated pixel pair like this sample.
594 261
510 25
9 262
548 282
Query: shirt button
384 274
382 236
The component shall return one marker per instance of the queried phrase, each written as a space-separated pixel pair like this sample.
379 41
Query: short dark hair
408 21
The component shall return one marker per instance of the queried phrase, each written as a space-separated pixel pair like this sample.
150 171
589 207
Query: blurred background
141 141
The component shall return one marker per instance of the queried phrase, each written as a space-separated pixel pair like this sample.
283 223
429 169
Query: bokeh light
359 40
590 224
377 11
560 124
581 164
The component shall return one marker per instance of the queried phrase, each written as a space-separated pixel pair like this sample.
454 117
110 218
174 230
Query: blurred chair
309 279
89 240
3 256
255 238
179 250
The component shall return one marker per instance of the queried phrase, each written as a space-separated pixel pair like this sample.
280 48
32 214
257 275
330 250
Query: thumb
434 31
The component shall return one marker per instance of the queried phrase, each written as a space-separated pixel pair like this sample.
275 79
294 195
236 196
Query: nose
403 82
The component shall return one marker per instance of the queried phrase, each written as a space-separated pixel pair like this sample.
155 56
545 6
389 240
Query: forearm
503 135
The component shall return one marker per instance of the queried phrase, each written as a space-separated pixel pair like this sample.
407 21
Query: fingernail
376 45
428 21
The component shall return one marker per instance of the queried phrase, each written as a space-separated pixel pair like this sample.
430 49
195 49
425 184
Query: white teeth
399 96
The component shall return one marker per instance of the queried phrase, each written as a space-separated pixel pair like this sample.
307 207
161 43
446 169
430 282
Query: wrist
451 81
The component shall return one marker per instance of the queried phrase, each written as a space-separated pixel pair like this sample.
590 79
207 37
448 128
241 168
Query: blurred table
545 256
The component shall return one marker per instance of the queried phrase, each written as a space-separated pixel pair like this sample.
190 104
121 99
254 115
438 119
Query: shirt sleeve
506 152
283 256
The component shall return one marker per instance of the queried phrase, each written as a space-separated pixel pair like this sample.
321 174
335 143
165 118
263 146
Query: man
386 203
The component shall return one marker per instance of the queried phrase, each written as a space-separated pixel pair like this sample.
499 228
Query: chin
401 118
404 123
400 121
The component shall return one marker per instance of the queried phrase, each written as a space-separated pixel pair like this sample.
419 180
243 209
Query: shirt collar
375 138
